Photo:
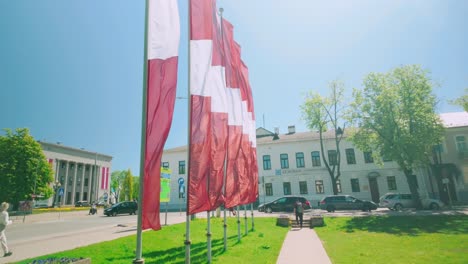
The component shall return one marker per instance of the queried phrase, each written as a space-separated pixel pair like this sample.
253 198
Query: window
338 186
385 157
303 187
165 165
332 159
182 167
284 161
439 148
300 159
391 182
268 189
461 143
316 158
287 188
355 185
86 181
368 157
319 186
350 157
62 165
266 162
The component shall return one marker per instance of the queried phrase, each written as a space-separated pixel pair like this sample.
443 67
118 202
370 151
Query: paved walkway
302 246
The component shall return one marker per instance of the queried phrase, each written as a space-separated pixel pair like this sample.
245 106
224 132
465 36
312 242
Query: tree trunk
335 189
413 185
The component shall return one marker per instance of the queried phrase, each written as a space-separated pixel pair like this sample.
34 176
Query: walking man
4 221
299 210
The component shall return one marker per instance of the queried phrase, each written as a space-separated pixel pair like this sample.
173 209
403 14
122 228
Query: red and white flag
104 178
208 113
163 46
221 115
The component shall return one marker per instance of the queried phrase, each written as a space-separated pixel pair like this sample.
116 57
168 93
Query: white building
79 175
291 163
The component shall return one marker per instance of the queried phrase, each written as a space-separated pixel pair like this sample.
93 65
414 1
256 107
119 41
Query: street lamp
56 188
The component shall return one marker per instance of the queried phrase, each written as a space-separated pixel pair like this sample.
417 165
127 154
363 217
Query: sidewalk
302 246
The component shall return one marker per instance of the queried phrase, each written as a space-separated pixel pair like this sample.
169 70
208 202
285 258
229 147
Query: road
47 233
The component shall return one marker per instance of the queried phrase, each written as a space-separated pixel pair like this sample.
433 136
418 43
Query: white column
82 182
74 184
90 181
65 185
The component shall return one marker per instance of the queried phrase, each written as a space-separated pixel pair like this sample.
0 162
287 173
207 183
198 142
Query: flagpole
208 237
225 229
139 241
221 10
245 218
251 210
238 225
187 241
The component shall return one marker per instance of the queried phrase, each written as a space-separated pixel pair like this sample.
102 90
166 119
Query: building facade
79 175
292 164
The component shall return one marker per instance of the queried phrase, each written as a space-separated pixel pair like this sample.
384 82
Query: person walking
4 221
299 210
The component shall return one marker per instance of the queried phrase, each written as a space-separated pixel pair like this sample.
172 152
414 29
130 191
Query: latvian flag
163 46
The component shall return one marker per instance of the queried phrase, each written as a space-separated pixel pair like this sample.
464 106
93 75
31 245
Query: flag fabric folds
163 43
222 144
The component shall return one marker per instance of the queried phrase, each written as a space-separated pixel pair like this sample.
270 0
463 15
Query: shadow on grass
198 252
409 225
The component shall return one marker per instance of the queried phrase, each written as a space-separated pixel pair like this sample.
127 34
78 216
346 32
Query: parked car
81 204
345 202
121 208
398 201
283 204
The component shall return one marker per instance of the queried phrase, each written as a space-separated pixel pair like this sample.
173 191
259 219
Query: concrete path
302 246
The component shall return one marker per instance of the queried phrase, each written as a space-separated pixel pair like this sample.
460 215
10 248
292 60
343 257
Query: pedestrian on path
4 221
299 210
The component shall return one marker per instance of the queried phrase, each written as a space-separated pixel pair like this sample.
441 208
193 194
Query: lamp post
56 188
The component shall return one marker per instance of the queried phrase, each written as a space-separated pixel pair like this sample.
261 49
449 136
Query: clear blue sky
71 71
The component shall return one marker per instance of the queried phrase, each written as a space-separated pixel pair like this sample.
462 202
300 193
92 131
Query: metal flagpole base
139 261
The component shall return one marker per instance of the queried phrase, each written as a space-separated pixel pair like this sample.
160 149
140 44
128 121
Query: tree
136 187
397 119
117 179
462 100
127 187
323 113
24 169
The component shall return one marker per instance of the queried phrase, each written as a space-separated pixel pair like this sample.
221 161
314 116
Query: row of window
284 160
320 189
316 161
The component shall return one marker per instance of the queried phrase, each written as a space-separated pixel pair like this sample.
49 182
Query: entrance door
374 189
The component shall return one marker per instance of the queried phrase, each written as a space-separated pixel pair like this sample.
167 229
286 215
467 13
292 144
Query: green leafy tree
117 180
322 114
397 120
24 169
136 187
462 100
128 186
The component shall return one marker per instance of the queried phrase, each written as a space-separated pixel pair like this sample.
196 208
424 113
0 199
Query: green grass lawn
166 246
398 239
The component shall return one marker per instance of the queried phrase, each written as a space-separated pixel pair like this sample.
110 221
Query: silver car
398 201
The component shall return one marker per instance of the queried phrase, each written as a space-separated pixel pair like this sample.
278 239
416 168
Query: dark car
345 202
81 204
121 208
283 204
